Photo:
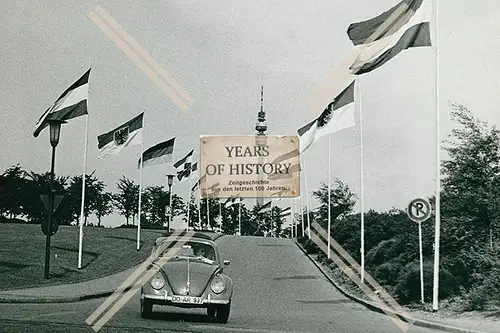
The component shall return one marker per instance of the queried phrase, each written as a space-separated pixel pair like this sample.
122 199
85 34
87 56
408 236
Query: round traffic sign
296 215
419 210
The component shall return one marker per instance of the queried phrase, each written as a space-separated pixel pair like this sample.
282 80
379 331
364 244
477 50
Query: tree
155 199
193 213
93 189
258 222
229 218
342 201
12 197
277 221
248 226
213 204
39 184
103 206
127 199
471 183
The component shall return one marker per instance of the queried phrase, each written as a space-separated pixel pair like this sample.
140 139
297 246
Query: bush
407 289
387 273
487 292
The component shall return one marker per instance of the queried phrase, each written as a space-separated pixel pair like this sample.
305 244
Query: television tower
261 128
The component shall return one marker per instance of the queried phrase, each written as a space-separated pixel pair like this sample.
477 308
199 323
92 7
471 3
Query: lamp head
170 179
55 131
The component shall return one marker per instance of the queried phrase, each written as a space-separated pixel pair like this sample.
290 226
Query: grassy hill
105 251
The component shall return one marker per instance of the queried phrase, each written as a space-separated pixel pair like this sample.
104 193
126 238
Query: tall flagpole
188 202
361 164
294 220
307 202
140 201
80 241
272 221
208 214
199 206
302 218
435 297
220 214
329 192
239 216
171 220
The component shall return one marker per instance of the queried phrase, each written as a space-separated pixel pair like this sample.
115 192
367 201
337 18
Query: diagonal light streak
129 294
123 286
133 51
125 297
167 77
341 74
357 267
354 278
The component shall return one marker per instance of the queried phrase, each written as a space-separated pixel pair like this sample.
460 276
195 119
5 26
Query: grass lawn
105 251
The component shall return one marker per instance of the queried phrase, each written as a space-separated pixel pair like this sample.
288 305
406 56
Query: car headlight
158 281
217 285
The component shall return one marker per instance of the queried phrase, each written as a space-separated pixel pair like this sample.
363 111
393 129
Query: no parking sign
419 210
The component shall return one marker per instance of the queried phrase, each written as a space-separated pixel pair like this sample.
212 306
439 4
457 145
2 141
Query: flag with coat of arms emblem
338 115
125 135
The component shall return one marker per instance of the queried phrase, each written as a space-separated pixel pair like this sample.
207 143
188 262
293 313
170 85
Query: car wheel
211 311
222 313
146 309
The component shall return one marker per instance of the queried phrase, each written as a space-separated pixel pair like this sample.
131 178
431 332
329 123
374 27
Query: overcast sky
219 52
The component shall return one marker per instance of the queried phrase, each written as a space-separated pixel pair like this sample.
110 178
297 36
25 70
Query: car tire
222 313
146 309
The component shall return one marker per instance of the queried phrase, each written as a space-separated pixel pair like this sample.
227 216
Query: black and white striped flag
231 201
265 208
285 212
381 38
183 167
158 154
197 185
71 104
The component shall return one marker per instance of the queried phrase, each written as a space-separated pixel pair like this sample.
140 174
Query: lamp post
55 132
170 181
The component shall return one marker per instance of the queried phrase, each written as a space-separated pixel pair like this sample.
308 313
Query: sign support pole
419 210
421 262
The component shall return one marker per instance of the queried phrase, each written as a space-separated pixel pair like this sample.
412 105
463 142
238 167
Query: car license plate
187 299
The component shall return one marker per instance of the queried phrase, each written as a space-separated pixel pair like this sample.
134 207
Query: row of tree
21 191
470 225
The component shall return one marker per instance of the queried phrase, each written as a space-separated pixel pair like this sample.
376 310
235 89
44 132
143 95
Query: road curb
19 299
374 307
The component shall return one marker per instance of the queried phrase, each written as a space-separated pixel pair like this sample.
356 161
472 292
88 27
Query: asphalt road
276 289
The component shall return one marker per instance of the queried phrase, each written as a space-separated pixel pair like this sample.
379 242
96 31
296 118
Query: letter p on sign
419 210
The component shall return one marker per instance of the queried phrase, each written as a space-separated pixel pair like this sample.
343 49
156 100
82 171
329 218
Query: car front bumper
166 299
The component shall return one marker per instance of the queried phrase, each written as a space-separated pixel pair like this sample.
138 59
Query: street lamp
170 181
55 132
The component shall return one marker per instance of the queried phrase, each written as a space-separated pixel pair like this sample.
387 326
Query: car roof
199 238
196 234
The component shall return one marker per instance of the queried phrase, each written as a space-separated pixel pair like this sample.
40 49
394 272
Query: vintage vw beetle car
189 274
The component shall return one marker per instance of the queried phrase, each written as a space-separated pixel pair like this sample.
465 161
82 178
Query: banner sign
249 166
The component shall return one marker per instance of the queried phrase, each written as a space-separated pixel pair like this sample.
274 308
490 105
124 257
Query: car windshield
194 250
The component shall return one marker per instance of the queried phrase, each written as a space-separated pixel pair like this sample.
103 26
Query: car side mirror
226 262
